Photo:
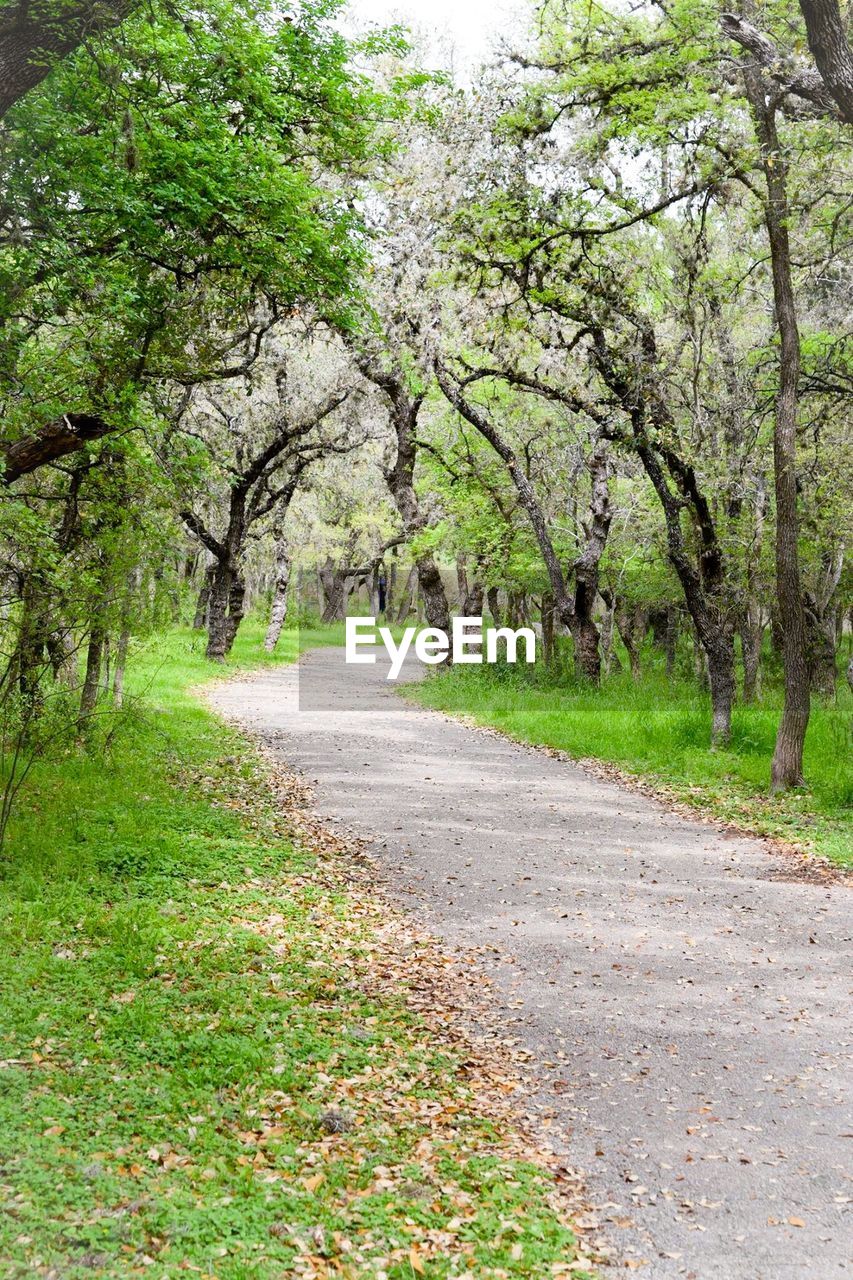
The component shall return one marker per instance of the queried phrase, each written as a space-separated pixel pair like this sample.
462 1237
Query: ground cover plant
196 1075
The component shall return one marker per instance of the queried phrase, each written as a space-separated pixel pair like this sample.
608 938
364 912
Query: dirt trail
688 1004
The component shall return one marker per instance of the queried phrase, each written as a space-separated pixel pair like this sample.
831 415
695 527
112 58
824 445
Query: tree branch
831 51
35 34
804 82
195 526
52 441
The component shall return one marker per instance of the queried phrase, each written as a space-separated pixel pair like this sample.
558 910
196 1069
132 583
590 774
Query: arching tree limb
35 34
52 441
788 75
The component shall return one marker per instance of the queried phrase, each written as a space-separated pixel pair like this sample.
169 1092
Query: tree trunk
587 652
821 624
607 635
336 581
461 582
391 589
433 594
472 604
400 478
380 590
120 663
217 614
585 631
278 612
336 588
670 640
700 662
493 597
630 626
721 678
548 611
575 614
134 582
106 661
752 621
831 51
658 620
29 660
608 627
63 657
703 583
401 483
750 643
236 607
200 619
407 598
92 680
787 767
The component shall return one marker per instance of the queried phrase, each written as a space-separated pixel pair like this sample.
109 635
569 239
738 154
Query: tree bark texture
200 619
35 34
407 596
751 631
401 484
278 613
831 51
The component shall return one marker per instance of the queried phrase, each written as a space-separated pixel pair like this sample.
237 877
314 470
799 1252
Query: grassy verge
658 729
197 1074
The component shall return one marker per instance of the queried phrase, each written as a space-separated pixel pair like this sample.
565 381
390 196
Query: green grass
183 995
658 729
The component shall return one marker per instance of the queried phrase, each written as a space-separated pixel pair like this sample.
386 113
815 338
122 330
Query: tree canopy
572 345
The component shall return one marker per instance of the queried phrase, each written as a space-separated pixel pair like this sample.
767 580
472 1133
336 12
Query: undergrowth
194 1076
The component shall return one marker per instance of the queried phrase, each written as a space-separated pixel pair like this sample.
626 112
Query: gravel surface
686 1000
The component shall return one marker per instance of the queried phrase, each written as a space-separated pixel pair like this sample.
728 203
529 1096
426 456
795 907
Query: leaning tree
238 452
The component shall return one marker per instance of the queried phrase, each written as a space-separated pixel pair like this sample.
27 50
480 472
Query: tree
260 442
282 567
157 195
601 73
575 612
829 86
824 28
34 34
787 766
404 406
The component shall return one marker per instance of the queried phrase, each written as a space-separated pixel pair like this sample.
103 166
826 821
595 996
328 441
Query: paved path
693 1004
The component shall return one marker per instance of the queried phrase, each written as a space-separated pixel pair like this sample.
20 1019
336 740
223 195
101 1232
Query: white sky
467 26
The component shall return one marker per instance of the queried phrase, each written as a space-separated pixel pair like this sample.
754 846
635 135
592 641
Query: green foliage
163 181
182 1000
